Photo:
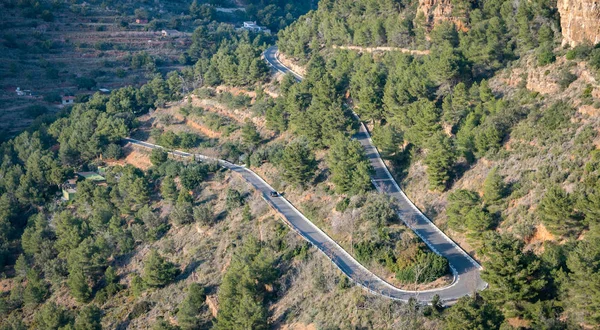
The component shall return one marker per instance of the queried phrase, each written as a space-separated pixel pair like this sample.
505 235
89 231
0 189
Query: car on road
273 193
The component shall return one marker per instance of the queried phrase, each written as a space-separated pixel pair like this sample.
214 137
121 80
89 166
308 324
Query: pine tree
556 212
112 281
52 317
287 82
241 294
184 198
316 67
137 285
524 16
157 271
192 175
332 121
21 266
161 324
89 318
35 291
189 308
250 134
589 198
298 163
168 188
234 199
158 157
456 106
78 285
460 202
258 70
583 284
182 214
472 313
387 139
515 277
465 137
422 122
14 322
493 187
277 118
350 168
478 220
367 88
485 92
246 213
446 64
440 161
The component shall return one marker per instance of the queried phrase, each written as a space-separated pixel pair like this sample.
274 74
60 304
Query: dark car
274 194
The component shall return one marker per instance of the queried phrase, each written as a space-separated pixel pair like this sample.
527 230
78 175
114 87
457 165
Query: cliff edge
579 21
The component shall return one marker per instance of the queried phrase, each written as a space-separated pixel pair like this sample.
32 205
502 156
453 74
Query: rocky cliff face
579 21
437 11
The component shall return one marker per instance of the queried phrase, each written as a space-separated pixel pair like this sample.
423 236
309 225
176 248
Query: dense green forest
46 247
108 258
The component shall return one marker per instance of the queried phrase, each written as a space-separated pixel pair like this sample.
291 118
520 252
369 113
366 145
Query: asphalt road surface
466 271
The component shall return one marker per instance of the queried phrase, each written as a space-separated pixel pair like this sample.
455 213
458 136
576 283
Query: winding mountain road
465 269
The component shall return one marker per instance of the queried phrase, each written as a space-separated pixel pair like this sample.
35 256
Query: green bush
182 214
580 52
189 140
190 307
140 309
565 78
52 98
379 210
556 116
204 214
113 151
427 268
158 272
205 93
85 83
234 101
545 56
158 157
34 111
594 60
342 205
234 199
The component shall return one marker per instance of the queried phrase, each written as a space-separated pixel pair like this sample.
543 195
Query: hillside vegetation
493 134
487 123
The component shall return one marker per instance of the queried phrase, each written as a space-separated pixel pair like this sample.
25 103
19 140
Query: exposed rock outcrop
437 11
579 21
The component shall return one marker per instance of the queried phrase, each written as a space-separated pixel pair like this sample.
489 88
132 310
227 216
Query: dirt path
384 49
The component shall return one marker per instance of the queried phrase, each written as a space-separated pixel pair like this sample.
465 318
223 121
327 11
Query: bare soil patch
133 156
384 49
